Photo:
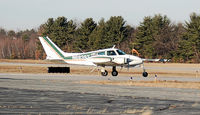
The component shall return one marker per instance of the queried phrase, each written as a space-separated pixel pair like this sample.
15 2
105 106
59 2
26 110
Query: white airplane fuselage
104 57
93 58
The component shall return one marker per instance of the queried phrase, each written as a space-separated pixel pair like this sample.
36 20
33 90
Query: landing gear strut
145 74
114 71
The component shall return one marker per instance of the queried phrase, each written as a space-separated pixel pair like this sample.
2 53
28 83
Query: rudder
52 51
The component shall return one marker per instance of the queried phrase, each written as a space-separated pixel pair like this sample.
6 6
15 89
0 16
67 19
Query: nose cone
136 60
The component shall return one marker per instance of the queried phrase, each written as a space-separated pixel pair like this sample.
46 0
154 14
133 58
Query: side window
111 53
101 53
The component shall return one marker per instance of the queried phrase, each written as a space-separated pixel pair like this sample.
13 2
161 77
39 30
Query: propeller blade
128 60
128 66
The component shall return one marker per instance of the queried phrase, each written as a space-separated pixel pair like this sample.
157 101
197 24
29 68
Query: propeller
128 60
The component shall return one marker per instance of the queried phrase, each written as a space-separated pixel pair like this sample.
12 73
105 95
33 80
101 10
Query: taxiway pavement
63 94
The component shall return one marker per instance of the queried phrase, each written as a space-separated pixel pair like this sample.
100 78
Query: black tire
114 73
105 73
145 74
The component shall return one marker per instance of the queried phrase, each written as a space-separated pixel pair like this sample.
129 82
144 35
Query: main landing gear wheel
145 74
114 73
105 73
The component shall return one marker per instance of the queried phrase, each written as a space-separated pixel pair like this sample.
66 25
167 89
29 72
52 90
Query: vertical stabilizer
52 51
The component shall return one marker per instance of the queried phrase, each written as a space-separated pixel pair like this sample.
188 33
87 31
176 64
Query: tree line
17 45
155 37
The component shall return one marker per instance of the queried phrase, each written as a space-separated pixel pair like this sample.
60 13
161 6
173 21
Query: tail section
52 51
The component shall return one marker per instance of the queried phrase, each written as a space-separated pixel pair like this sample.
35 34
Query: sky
30 14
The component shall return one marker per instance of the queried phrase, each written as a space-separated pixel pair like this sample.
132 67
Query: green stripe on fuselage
61 55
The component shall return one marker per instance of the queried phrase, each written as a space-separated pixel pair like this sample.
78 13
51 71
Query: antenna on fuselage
113 46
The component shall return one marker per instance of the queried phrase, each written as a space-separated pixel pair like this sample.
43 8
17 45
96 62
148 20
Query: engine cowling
118 60
121 60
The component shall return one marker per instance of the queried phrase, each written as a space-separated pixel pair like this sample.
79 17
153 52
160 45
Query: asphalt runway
63 94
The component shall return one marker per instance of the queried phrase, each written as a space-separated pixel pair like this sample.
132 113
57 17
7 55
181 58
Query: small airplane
101 58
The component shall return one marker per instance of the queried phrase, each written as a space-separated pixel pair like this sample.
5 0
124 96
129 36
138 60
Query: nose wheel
145 74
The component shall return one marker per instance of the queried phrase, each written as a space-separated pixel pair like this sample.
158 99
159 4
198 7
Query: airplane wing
157 60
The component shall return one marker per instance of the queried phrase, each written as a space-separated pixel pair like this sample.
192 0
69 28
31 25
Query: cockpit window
120 52
109 53
101 53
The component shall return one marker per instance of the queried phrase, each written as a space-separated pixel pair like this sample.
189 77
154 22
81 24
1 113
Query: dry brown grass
26 61
152 72
166 84
143 111
85 70
22 69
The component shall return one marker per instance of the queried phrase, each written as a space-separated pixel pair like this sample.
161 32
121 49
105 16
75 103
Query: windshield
120 52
